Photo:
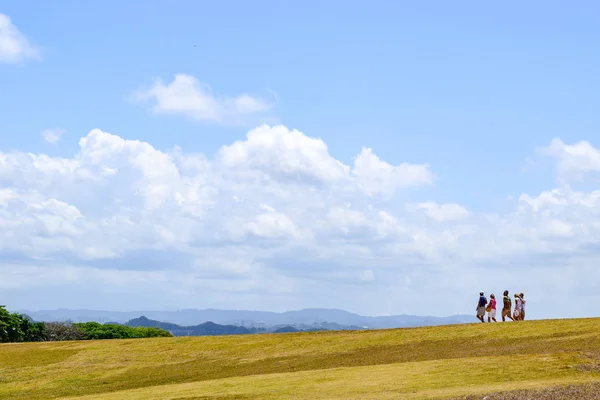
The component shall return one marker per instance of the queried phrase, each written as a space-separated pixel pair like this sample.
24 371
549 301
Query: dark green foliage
94 330
10 327
20 328
36 332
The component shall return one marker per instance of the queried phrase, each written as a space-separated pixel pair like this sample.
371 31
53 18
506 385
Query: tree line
16 327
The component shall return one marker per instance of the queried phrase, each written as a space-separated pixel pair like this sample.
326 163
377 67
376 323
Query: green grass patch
18 356
432 362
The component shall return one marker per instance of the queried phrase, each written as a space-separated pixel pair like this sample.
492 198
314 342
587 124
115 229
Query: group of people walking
484 306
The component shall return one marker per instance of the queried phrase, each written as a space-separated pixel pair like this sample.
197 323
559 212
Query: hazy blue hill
204 329
149 323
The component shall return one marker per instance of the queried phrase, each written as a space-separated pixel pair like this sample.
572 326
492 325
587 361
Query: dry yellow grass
433 362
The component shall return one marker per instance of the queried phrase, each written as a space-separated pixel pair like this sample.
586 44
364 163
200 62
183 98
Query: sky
380 157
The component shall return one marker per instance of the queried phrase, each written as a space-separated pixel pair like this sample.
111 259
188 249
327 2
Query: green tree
95 331
36 332
10 326
18 328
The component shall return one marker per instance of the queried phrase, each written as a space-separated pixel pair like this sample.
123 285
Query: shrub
58 331
94 330
18 328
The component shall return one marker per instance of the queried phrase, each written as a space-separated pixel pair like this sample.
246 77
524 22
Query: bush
94 331
20 328
59 331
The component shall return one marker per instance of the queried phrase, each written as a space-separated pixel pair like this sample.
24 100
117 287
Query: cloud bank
273 221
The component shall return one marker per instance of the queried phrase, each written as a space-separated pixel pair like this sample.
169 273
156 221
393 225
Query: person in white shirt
522 306
517 315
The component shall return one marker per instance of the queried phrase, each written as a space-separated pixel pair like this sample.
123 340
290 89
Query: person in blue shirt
481 307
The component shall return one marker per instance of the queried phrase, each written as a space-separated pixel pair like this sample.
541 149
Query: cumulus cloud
14 46
52 136
274 221
441 212
185 95
574 160
376 176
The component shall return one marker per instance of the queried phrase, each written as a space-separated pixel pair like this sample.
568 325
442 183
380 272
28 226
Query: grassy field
422 363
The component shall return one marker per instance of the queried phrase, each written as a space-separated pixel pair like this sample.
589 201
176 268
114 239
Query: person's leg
481 314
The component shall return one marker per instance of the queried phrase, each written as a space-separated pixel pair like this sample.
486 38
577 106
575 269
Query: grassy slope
433 362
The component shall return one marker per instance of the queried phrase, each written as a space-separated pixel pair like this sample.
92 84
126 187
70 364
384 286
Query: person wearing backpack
481 307
506 309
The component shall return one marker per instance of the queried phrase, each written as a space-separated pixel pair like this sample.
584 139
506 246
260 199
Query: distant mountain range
212 329
252 319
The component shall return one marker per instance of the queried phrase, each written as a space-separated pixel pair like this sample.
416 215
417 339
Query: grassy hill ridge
430 362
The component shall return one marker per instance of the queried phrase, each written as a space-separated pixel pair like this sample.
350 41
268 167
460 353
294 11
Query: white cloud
441 212
185 95
275 153
52 136
271 226
275 219
14 46
376 176
574 160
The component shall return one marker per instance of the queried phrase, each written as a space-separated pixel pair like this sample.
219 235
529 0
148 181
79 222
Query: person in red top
491 309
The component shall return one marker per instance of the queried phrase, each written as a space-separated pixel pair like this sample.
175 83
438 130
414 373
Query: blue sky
474 92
